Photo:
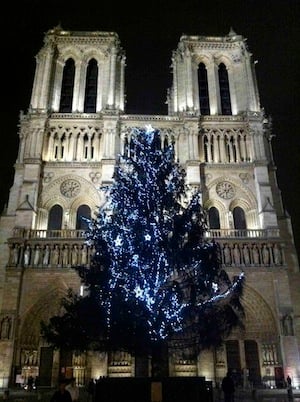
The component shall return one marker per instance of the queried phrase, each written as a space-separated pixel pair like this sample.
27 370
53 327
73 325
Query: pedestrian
30 382
73 389
289 388
61 395
228 388
91 389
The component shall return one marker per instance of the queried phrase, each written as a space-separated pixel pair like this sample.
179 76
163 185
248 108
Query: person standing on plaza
289 388
62 394
73 389
228 388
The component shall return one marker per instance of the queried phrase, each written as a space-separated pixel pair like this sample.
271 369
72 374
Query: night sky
149 32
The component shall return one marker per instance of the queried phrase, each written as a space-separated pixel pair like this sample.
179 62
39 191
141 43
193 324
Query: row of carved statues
121 358
63 255
252 254
67 255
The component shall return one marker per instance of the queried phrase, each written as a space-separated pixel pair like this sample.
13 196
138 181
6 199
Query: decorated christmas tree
154 279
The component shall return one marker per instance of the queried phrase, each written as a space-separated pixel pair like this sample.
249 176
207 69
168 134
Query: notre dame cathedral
75 126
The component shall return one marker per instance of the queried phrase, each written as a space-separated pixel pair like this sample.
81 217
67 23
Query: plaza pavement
241 395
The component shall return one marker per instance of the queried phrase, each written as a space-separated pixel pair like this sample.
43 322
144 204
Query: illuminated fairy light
144 231
118 241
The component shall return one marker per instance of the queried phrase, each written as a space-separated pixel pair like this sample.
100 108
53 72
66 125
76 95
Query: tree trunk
159 360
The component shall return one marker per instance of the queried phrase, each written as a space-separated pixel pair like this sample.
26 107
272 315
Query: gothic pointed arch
90 97
42 309
224 90
239 218
203 89
214 218
67 87
69 191
83 212
55 217
259 319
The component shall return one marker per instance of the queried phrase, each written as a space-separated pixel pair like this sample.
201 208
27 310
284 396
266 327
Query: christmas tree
154 279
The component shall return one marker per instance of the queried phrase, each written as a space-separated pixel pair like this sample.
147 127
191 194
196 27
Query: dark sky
149 31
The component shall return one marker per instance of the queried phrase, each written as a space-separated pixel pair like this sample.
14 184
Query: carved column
112 78
59 68
175 87
45 90
231 79
189 83
122 83
76 92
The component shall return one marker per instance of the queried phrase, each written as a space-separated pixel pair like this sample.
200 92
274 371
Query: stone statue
246 255
27 256
16 254
255 253
287 324
46 255
74 256
277 255
65 255
84 255
236 255
227 256
5 327
36 259
55 256
265 255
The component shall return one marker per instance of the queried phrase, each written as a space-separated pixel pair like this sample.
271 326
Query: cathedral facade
74 128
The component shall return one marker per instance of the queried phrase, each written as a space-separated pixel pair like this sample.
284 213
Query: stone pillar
112 78
122 84
233 100
251 87
189 82
82 68
77 95
59 69
175 87
45 90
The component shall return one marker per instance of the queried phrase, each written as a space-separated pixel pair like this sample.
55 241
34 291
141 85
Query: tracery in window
67 87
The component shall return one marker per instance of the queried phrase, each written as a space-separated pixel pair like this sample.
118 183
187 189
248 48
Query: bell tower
79 72
79 79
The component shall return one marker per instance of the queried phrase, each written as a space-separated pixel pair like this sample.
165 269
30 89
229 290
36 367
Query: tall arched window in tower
84 211
55 217
224 90
90 97
67 87
203 90
239 219
214 218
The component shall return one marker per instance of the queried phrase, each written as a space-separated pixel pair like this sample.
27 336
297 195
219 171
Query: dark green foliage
153 279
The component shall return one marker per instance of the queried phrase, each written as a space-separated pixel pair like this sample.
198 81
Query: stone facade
75 126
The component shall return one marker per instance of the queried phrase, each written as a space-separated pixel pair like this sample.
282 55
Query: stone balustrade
67 248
